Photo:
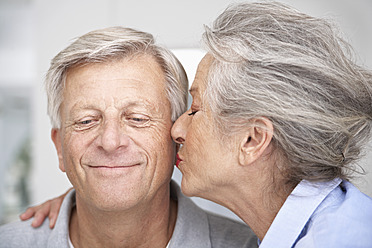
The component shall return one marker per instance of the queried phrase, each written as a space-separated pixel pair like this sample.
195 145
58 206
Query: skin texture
115 146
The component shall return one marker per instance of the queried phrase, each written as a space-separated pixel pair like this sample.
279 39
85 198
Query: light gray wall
177 24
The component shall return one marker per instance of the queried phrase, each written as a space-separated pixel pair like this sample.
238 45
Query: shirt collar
296 211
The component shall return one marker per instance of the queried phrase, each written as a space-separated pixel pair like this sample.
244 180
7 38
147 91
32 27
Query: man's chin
115 200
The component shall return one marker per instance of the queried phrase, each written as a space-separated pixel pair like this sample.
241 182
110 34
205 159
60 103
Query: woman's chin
187 188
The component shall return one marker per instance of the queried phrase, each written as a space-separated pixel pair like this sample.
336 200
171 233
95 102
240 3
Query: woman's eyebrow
193 90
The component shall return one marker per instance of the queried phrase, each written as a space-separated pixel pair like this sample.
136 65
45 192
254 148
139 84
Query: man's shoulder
22 234
196 227
226 232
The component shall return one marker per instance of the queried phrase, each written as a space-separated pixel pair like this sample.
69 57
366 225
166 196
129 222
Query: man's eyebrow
82 105
143 104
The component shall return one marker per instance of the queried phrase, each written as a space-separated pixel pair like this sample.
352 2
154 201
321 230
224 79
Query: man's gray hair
275 62
110 44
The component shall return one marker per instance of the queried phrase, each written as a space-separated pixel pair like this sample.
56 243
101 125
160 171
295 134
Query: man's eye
137 120
85 122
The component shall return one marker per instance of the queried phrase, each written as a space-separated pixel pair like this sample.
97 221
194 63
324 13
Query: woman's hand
48 209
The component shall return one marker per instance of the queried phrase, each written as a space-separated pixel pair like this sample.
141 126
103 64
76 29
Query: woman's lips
178 161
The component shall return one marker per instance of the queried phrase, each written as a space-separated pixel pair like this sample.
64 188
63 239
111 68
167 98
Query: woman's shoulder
346 202
344 217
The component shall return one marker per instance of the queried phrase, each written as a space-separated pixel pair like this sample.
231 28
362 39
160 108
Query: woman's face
203 158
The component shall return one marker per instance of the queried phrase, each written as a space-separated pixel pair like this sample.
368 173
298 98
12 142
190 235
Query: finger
41 214
52 220
28 213
38 220
54 211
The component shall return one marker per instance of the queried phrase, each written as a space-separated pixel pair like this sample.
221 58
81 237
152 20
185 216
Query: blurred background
33 31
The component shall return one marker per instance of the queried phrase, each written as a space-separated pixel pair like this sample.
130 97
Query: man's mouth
112 166
112 170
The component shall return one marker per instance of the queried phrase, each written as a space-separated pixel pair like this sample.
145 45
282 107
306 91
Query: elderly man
113 96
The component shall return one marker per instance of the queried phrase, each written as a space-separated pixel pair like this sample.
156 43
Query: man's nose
113 136
179 129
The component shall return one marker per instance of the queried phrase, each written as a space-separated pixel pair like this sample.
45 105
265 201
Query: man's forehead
143 104
128 83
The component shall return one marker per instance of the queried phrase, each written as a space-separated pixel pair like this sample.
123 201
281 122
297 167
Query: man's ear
56 137
255 140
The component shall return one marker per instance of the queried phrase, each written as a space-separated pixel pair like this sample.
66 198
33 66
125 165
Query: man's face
114 142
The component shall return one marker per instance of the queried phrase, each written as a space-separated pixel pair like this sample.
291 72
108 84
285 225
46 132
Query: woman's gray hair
109 44
275 62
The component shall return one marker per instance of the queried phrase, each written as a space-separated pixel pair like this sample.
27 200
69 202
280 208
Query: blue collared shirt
323 214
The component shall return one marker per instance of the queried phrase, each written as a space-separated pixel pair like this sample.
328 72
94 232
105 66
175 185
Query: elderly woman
279 117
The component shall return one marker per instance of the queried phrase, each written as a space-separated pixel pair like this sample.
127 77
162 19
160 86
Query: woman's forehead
200 81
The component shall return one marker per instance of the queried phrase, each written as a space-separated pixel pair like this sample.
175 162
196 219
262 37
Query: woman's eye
193 113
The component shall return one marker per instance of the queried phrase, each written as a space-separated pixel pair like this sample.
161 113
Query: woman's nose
179 129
